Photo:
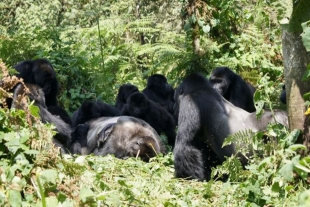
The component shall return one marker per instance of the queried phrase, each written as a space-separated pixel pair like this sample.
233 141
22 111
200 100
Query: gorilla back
205 119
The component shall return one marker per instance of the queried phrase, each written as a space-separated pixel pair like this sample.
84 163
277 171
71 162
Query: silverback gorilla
121 136
205 119
233 88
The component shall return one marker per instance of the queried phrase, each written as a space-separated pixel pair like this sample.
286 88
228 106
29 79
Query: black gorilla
233 88
123 93
205 120
159 91
138 105
283 95
58 111
63 136
41 73
121 136
91 110
78 143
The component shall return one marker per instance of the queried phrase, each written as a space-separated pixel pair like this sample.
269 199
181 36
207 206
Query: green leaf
15 198
206 29
287 171
201 23
48 176
306 35
86 194
51 202
34 110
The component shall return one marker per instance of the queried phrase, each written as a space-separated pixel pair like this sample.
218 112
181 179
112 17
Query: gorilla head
41 73
159 91
123 93
233 88
158 84
44 75
137 104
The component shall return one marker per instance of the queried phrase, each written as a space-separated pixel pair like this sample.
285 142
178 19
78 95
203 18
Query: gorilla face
156 80
44 74
127 89
138 104
220 81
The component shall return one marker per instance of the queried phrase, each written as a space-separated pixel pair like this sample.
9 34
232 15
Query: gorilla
58 111
41 73
78 143
159 91
233 88
123 93
138 105
205 119
121 136
283 95
35 93
93 109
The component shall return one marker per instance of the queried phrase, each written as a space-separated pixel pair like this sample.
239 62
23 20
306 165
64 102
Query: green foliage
306 35
95 46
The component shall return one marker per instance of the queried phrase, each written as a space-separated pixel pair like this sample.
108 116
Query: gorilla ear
104 134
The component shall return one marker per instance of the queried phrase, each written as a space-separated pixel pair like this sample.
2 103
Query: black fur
159 91
91 110
233 88
58 111
138 105
123 93
205 119
41 73
78 144
283 95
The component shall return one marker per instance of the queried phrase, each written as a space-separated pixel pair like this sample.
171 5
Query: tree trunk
296 60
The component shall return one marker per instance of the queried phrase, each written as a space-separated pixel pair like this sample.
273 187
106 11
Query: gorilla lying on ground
123 93
35 93
233 88
91 110
138 105
159 91
205 120
122 136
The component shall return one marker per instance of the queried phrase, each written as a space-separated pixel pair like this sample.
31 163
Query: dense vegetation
97 45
